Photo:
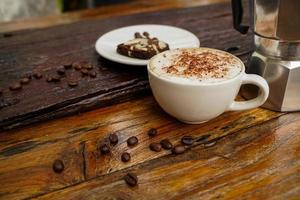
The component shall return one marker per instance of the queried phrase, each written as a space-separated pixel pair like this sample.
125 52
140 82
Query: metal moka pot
276 57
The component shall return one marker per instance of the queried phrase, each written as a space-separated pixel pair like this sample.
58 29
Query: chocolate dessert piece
142 47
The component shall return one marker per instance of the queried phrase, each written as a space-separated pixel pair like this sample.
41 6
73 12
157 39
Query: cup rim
196 83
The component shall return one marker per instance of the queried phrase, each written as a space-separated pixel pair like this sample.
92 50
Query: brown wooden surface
130 7
46 49
256 154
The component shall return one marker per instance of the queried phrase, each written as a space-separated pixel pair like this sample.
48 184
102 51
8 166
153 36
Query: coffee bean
88 66
210 144
131 179
58 166
152 132
178 149
15 86
113 138
93 74
55 78
84 72
37 75
125 157
68 65
1 91
49 79
61 70
104 148
155 147
132 141
202 138
24 81
27 75
187 140
72 82
77 66
6 35
166 144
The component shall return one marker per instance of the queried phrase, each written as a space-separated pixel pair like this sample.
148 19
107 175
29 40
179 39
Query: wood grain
46 49
77 138
261 162
130 7
256 153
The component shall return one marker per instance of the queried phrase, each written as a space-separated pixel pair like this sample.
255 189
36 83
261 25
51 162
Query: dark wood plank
261 162
112 10
47 48
27 154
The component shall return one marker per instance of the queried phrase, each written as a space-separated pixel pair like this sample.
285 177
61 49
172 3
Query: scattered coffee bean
68 65
37 75
113 138
84 72
72 82
55 78
166 144
202 138
187 140
152 132
6 35
125 157
88 66
49 79
178 149
104 148
155 147
210 144
77 66
61 70
58 166
132 141
15 86
93 74
27 75
131 179
24 81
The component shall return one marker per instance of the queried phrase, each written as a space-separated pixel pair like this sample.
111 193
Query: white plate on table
106 45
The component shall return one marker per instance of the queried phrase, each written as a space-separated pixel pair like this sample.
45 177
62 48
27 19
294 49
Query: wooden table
130 7
253 154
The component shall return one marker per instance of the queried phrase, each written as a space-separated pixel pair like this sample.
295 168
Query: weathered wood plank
262 162
45 49
26 168
61 138
130 7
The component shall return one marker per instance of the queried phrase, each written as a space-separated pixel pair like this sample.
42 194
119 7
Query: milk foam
225 67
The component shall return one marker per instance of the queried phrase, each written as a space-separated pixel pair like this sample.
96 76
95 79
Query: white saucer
106 45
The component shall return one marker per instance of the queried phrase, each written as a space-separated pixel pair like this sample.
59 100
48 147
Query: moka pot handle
237 13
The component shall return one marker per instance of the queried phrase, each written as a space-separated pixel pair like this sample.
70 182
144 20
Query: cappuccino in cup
197 84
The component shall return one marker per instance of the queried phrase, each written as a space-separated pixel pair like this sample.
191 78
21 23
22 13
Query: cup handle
257 101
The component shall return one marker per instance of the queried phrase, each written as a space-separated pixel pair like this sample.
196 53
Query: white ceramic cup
197 103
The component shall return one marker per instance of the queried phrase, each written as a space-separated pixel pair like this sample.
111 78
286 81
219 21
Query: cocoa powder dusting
200 64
